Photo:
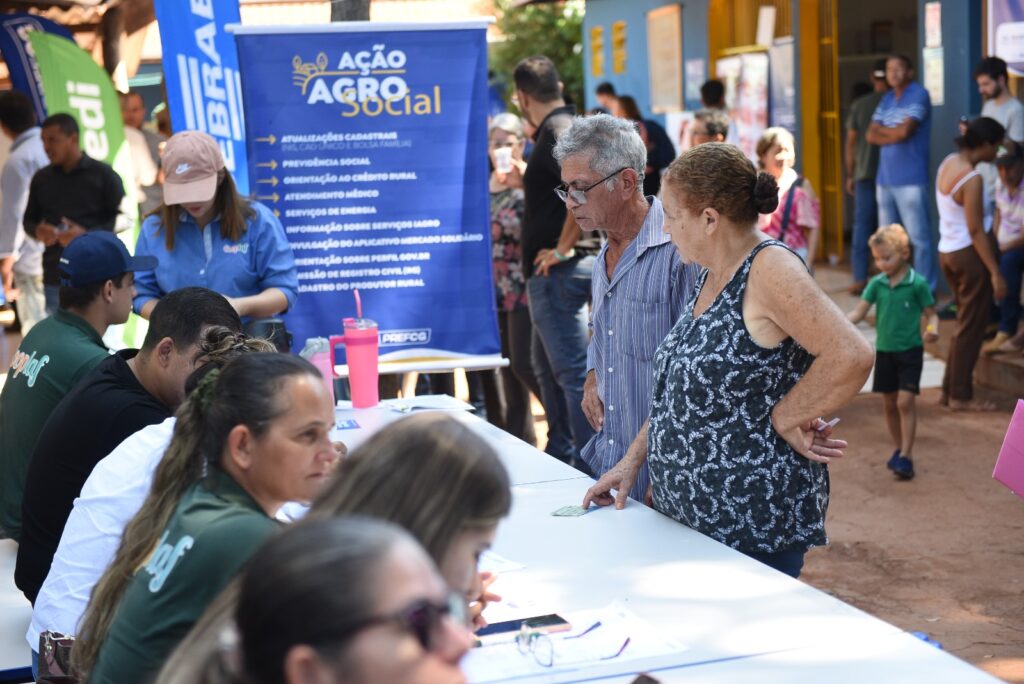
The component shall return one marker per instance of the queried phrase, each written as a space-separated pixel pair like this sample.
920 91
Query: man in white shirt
144 146
21 257
991 76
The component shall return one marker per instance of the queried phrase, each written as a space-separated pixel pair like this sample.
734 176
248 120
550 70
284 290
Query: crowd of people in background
646 299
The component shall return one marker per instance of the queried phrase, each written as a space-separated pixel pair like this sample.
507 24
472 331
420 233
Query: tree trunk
350 10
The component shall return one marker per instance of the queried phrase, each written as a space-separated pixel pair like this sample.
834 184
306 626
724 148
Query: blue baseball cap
98 256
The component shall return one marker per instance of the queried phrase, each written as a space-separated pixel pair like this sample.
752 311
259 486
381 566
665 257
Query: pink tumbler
318 352
361 343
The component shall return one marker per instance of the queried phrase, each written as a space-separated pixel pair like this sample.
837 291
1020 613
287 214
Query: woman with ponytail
249 439
736 446
969 258
395 476
111 496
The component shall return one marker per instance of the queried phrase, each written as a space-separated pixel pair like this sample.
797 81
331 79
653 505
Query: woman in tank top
736 447
968 257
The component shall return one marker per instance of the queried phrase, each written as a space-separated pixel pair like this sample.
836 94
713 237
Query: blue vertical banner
20 58
201 74
370 142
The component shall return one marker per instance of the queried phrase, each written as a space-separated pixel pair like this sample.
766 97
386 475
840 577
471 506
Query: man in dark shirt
71 196
861 160
123 394
558 260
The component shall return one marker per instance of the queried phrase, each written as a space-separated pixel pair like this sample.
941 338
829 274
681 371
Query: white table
524 463
432 365
15 613
896 659
734 615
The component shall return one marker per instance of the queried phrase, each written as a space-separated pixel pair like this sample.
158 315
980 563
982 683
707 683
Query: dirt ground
941 554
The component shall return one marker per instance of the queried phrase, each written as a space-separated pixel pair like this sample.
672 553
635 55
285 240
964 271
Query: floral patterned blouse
716 463
506 248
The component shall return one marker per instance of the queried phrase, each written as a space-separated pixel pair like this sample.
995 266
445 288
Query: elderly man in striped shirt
639 286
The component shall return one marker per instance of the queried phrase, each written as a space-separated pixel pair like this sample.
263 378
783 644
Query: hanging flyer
369 141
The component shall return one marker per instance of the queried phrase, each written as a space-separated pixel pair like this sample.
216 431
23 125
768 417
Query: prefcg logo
400 338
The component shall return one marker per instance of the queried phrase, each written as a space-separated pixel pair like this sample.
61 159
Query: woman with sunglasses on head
249 439
207 234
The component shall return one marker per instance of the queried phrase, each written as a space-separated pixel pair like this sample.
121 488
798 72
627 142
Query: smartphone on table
542 623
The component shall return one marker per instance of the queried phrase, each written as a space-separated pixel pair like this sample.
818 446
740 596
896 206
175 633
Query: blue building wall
635 80
961 43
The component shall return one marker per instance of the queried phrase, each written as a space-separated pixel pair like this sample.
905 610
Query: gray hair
612 144
510 123
715 120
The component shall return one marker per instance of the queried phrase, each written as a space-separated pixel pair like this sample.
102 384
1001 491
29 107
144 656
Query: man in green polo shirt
96 291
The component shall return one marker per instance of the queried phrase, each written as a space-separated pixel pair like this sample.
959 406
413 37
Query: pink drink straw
359 304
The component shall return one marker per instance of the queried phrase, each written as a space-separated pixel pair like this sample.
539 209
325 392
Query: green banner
73 83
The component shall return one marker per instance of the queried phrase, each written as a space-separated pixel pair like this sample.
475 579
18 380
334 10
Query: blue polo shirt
905 163
262 258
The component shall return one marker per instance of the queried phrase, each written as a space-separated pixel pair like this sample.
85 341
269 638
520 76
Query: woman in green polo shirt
351 600
428 473
250 438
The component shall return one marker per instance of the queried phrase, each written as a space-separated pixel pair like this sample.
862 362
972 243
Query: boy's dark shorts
898 371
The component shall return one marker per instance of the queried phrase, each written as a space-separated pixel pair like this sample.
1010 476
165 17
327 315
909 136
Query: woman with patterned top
796 220
507 394
735 444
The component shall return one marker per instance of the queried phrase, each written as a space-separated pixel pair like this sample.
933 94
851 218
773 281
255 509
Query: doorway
869 30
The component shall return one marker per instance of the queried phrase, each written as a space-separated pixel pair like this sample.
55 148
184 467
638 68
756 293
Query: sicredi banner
20 57
201 74
76 85
370 143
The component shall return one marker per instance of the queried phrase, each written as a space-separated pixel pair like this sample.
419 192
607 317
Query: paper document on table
608 641
429 402
497 564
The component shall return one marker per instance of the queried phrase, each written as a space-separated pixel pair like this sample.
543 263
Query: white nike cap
191 161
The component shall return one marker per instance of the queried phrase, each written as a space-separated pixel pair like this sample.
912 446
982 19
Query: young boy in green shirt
902 296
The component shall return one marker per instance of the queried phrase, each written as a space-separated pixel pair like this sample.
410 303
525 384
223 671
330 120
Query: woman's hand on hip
813 440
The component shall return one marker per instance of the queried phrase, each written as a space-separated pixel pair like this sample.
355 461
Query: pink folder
1010 464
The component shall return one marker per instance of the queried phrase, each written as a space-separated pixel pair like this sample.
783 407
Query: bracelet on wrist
564 257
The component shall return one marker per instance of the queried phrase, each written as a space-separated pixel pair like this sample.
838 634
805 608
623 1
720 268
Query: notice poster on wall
695 76
751 110
934 75
665 58
370 142
679 127
783 85
1006 33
